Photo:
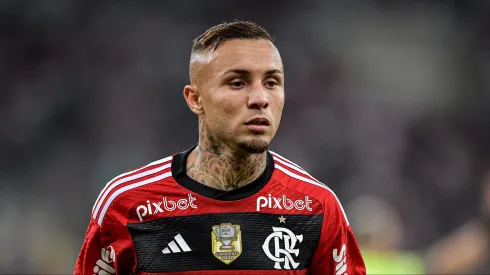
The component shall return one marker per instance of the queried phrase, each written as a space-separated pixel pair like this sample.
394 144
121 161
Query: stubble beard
254 146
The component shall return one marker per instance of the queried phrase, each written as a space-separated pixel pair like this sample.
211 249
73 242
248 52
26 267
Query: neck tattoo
214 164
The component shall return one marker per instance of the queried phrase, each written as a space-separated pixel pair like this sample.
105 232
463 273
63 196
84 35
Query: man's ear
193 99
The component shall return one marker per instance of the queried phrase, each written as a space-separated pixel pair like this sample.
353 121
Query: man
227 205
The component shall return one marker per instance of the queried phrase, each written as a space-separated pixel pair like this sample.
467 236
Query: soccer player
227 205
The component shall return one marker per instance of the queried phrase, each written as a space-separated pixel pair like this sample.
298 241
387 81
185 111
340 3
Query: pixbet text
151 208
283 203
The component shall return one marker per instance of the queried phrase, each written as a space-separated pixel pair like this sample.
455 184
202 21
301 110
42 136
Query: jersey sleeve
102 255
338 252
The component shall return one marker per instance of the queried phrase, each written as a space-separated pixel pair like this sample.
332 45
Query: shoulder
126 184
295 177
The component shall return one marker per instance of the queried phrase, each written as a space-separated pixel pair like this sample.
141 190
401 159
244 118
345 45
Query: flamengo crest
283 237
226 242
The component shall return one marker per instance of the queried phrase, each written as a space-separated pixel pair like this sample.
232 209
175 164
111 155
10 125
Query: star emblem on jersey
226 242
282 255
282 219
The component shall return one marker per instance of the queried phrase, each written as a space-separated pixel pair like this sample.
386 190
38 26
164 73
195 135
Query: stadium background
387 103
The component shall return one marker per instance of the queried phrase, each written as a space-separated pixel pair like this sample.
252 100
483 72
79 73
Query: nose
258 98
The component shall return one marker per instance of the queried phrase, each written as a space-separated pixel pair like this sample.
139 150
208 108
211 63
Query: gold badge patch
226 242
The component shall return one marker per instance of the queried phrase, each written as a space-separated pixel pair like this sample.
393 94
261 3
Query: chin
255 146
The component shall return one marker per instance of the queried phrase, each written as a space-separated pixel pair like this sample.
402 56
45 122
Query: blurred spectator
467 249
379 231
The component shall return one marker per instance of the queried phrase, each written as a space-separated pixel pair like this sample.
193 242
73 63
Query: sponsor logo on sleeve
152 208
341 259
104 265
283 202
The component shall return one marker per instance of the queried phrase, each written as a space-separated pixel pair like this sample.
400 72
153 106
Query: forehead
253 55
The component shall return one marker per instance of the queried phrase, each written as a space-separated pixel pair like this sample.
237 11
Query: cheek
223 111
216 104
278 103
225 107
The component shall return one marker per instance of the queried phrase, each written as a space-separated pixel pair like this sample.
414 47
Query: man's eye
271 84
237 84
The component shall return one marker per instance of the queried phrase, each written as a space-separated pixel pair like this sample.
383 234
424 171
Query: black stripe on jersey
179 173
150 238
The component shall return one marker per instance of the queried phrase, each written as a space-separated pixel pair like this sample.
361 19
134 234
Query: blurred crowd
386 103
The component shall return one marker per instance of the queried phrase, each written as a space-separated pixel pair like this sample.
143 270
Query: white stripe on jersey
126 188
277 156
121 181
290 165
127 173
296 176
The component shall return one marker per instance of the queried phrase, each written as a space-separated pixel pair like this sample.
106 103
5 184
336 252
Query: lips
261 121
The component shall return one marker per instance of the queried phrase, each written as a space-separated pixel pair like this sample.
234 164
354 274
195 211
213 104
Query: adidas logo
174 248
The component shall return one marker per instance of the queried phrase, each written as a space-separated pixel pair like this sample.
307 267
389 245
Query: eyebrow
245 72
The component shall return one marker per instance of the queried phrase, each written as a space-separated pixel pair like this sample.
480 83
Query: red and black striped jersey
157 220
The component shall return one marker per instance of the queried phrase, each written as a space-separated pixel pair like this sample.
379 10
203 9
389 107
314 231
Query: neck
216 165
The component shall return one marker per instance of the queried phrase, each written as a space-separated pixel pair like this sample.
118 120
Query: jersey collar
180 175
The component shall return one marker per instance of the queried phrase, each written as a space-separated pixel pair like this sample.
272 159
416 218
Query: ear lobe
193 99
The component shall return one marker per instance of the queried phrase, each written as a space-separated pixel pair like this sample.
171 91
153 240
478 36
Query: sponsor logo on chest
152 208
283 202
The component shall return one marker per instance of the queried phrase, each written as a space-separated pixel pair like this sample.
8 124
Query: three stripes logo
177 245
